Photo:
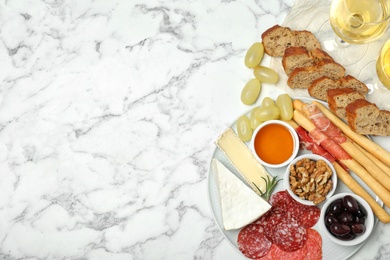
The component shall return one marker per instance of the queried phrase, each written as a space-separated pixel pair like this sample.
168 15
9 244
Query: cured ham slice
308 144
329 145
324 124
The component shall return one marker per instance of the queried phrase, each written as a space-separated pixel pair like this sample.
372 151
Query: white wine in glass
383 65
359 21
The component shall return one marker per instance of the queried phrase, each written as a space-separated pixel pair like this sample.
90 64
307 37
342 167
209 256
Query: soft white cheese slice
243 160
240 204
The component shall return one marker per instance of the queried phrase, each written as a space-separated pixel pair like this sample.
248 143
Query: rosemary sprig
270 185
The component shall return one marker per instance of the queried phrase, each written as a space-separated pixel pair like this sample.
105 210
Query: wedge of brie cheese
240 204
243 160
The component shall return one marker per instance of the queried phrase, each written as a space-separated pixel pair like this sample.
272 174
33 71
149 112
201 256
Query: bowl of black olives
347 219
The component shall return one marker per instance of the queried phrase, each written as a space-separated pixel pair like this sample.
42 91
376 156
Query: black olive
346 217
351 204
347 237
337 206
358 220
330 219
361 212
358 229
339 229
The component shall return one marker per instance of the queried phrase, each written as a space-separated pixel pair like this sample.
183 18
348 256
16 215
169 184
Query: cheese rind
243 160
240 204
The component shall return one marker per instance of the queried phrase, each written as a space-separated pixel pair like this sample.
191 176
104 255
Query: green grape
267 101
250 92
254 55
253 120
266 75
284 103
244 129
267 113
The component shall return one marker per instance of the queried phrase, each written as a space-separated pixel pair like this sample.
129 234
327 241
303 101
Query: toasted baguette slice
304 77
306 39
366 118
296 57
277 39
300 57
319 87
352 82
319 55
339 98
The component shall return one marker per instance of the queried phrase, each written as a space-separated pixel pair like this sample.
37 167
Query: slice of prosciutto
309 144
324 124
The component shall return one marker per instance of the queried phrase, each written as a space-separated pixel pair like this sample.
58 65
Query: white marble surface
108 113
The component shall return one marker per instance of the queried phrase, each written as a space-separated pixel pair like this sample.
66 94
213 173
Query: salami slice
270 255
278 254
252 241
312 250
313 245
269 220
289 235
307 216
281 200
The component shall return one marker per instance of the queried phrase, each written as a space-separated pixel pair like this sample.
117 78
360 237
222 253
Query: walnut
311 180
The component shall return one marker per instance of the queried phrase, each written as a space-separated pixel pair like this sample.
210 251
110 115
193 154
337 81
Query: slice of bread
319 55
366 118
277 39
307 39
304 77
300 57
319 88
339 98
296 57
352 82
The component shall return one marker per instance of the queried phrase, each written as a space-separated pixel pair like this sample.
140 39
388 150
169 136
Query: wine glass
360 21
383 65
356 23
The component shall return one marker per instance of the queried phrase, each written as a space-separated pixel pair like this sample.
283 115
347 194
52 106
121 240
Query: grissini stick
363 141
378 162
338 152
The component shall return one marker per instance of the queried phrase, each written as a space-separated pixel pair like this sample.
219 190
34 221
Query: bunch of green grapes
251 90
268 110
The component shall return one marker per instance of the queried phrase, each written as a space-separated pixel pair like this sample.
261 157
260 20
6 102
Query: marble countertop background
108 114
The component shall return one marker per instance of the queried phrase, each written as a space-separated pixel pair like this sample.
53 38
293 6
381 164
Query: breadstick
363 141
359 170
380 164
297 104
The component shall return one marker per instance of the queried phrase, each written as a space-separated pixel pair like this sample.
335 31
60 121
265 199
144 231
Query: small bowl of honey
275 143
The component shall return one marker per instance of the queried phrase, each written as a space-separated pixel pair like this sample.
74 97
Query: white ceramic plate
330 250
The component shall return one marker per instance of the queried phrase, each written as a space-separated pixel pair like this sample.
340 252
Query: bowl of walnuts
310 179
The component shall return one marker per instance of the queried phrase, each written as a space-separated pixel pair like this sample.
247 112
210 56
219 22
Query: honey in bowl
274 143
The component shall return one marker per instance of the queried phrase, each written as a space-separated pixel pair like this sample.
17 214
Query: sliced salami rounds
284 232
312 250
252 241
281 200
289 235
306 216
